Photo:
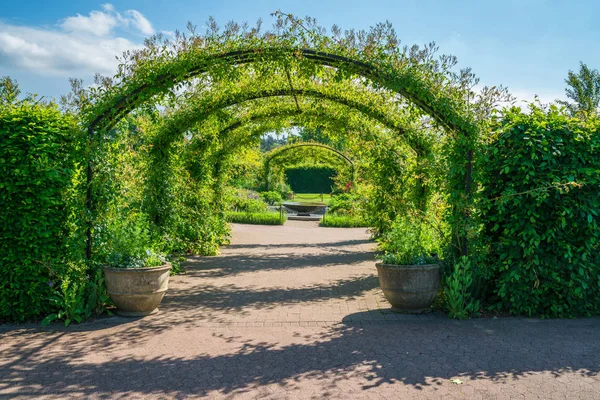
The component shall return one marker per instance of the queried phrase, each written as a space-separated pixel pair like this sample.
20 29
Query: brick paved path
295 312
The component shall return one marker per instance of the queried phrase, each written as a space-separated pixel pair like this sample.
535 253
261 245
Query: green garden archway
160 68
282 150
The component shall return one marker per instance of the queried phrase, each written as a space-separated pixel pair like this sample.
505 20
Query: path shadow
341 243
234 298
199 304
200 301
419 353
228 264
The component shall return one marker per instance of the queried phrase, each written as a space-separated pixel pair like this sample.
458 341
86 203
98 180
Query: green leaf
49 319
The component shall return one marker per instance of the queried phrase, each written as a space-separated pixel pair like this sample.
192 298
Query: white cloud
140 22
57 53
98 23
108 7
103 23
80 45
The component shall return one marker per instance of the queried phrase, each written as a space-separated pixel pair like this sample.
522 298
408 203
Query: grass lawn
311 197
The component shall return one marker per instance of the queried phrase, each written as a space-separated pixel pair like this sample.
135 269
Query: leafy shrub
400 259
255 218
342 221
346 204
271 197
183 200
457 290
410 241
248 201
40 236
541 215
201 228
282 188
201 236
128 236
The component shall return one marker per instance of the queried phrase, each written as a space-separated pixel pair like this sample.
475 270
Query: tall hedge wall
38 167
542 218
310 178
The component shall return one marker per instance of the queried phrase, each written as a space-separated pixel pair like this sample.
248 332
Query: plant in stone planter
409 271
410 285
137 285
136 277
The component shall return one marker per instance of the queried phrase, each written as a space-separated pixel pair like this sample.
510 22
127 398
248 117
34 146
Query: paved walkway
295 312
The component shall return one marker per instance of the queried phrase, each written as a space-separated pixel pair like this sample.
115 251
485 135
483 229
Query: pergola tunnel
252 73
159 157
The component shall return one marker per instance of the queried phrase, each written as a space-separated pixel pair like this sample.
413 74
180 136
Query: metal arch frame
128 101
124 104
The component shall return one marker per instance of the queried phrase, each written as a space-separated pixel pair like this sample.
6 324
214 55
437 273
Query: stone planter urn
137 291
410 289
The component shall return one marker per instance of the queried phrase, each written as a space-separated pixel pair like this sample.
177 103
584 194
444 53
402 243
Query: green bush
40 237
346 204
542 212
130 244
255 218
248 201
457 290
342 221
410 241
271 197
202 227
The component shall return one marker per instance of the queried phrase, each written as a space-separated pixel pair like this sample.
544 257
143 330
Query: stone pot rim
163 267
415 266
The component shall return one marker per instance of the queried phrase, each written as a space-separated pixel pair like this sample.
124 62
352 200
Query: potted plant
410 284
135 283
409 271
136 276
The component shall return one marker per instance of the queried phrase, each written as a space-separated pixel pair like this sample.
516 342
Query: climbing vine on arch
364 85
302 52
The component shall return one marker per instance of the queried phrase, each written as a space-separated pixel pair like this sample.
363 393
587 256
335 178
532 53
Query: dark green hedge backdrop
310 179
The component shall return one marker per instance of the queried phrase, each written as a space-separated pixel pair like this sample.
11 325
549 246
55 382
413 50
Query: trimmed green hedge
310 178
40 246
342 221
542 219
272 218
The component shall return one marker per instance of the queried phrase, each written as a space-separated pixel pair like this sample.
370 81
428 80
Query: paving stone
295 312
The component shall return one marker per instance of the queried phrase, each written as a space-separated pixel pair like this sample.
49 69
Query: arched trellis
201 105
289 117
280 151
200 118
214 103
192 63
157 70
282 109
290 110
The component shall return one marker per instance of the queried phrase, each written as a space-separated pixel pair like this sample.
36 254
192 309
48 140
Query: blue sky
527 45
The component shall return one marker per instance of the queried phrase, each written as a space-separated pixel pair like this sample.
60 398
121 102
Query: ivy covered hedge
542 212
41 244
310 178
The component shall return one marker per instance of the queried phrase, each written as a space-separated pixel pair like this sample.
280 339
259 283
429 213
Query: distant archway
279 152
